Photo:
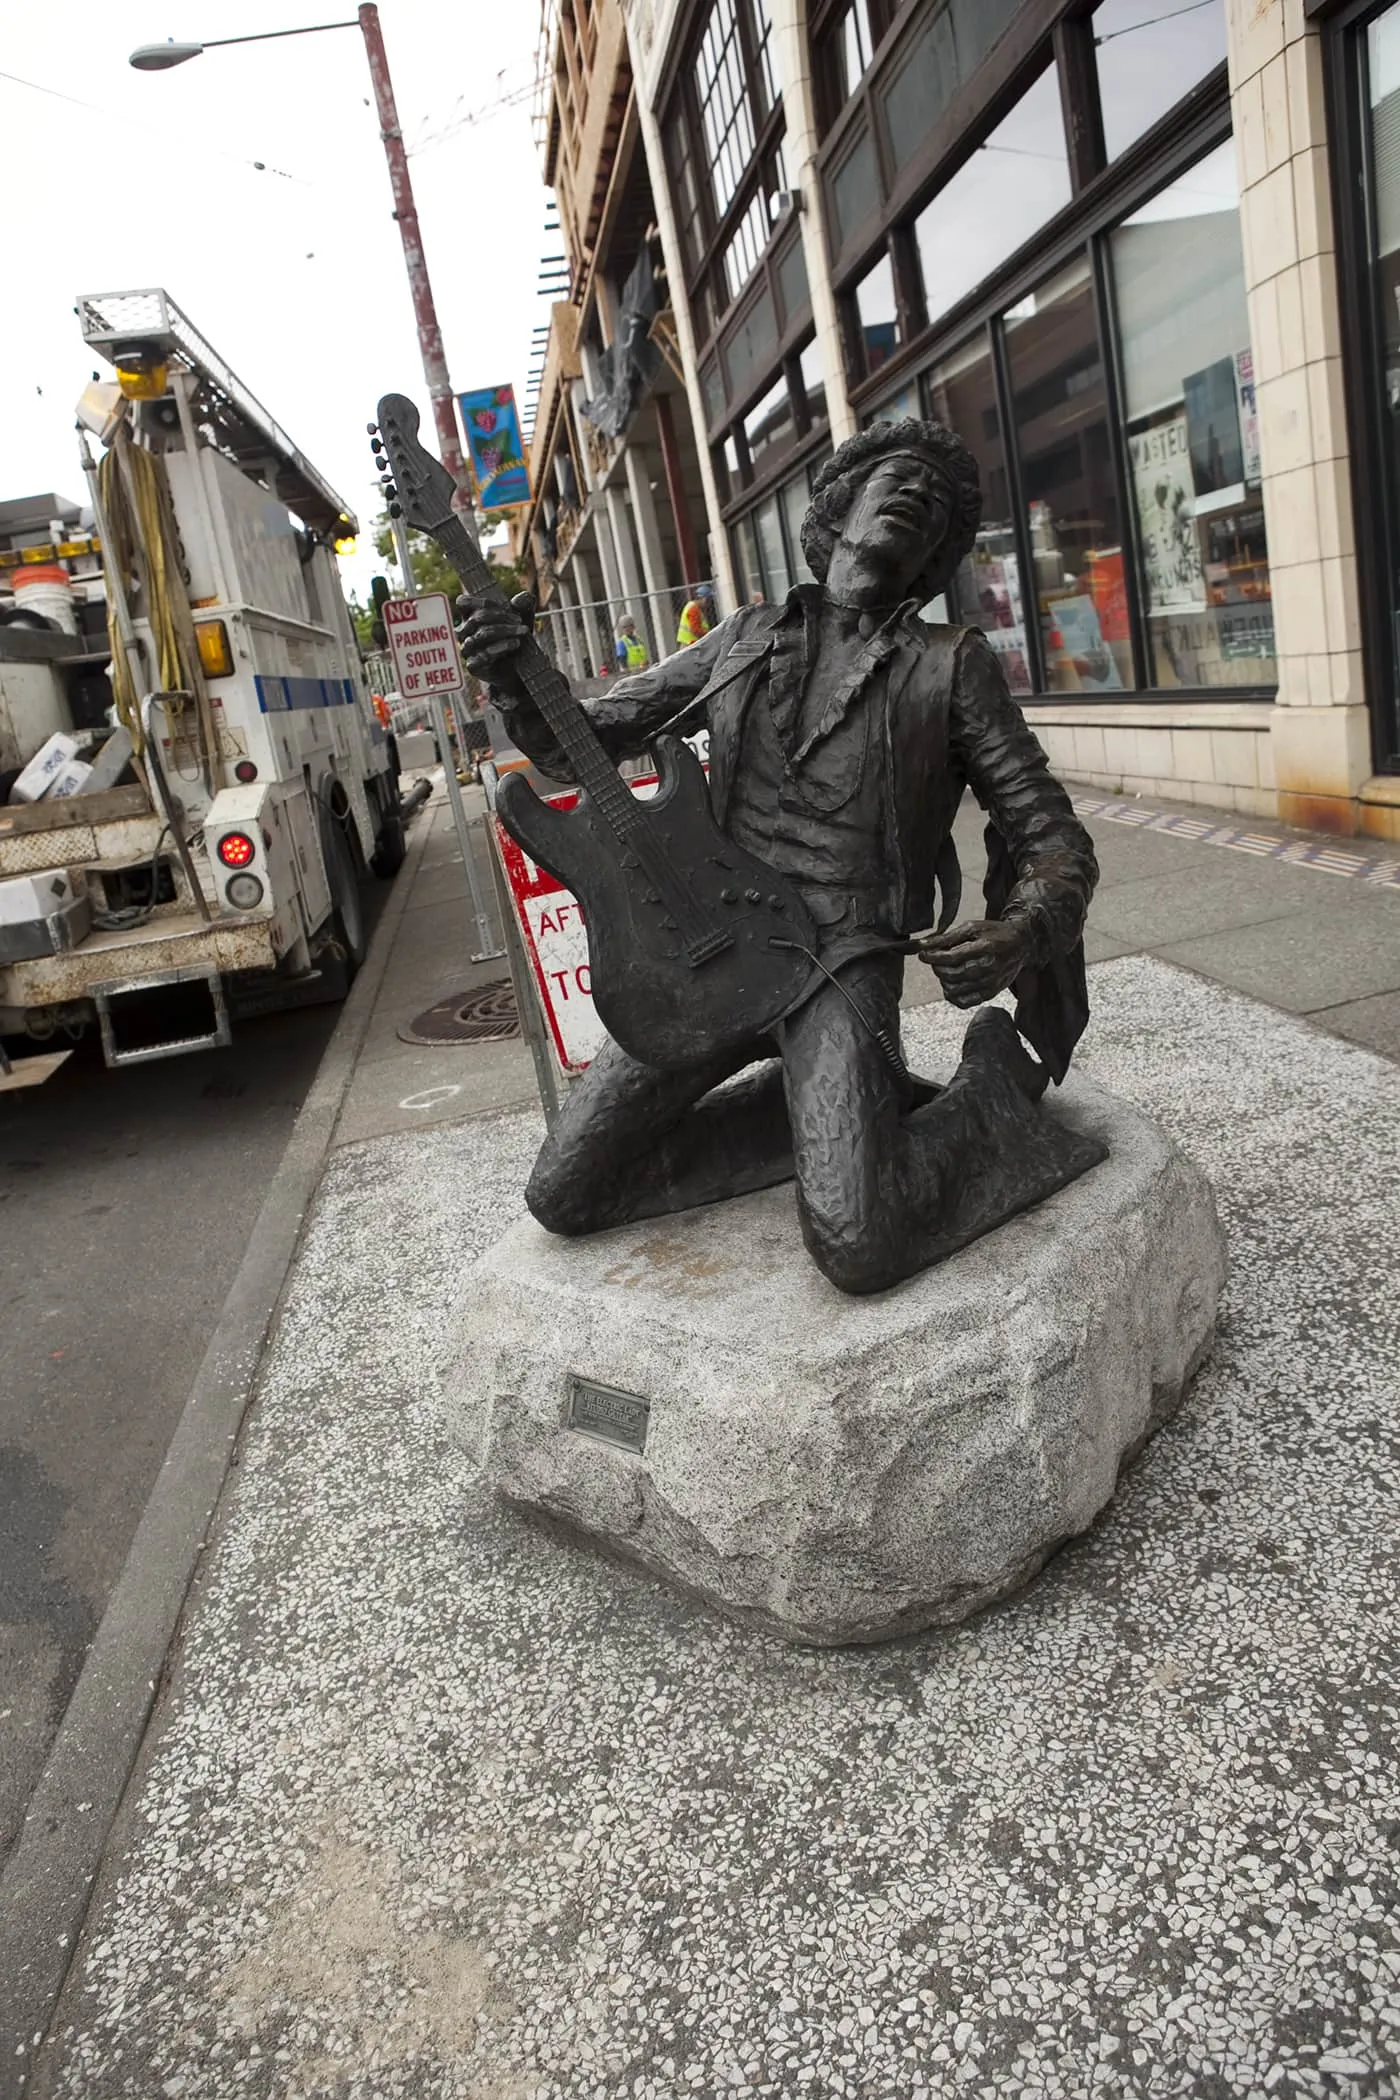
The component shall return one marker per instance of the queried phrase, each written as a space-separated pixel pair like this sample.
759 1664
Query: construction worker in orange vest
697 617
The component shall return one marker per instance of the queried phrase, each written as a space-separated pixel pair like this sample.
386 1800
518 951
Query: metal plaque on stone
613 1417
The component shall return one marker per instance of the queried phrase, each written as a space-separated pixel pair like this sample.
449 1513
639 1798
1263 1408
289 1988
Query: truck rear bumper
172 942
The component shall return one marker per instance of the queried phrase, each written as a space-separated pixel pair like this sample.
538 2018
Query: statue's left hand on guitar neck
492 634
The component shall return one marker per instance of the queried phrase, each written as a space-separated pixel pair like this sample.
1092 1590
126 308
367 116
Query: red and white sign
423 646
556 941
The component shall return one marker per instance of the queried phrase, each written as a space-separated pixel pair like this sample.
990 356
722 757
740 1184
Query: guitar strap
742 658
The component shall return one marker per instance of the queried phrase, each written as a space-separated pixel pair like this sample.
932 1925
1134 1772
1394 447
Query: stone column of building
638 465
793 54
587 594
614 590
1320 731
625 547
567 617
680 306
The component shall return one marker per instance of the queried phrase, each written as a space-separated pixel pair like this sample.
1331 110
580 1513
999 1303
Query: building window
855 189
750 240
1148 57
765 73
768 426
1193 433
1069 479
877 315
768 542
685 190
809 366
725 116
1016 180
724 107
954 41
987 591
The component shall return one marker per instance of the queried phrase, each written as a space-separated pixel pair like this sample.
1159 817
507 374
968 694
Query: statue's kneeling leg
632 1142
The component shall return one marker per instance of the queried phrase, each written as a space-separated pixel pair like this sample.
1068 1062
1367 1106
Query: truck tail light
215 649
236 849
243 891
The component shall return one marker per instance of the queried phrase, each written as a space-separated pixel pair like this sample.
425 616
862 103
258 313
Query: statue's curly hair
839 483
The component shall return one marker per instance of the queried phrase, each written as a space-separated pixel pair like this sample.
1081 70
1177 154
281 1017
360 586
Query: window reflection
878 315
768 425
1066 451
1193 433
1148 57
1013 183
986 592
813 385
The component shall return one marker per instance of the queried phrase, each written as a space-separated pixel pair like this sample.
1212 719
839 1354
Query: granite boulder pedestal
691 1393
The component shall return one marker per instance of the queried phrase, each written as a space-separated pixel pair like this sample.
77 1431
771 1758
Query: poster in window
996 585
1076 639
1249 415
1213 427
1166 508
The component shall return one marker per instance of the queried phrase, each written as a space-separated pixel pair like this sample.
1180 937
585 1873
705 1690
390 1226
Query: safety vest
693 624
631 652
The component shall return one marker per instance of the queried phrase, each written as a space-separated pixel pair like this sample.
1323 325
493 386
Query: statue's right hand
491 635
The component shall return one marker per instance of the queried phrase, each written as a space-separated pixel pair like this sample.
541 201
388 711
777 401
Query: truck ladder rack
232 416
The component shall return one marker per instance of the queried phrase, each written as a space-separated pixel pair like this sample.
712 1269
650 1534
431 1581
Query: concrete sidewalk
436 1805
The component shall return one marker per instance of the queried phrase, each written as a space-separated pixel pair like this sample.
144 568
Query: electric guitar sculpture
695 947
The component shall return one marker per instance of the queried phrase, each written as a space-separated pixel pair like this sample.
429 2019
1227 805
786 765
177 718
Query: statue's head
905 497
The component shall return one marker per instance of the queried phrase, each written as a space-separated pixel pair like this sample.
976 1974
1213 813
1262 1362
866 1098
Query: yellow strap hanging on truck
145 541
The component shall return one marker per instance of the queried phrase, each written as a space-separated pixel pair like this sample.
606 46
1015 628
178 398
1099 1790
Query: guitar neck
547 687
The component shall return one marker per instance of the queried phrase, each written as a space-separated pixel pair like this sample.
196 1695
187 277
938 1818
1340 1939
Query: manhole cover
485 1015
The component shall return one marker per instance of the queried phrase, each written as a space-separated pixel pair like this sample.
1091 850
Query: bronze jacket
950 725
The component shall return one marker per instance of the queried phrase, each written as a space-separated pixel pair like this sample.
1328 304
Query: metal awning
232 418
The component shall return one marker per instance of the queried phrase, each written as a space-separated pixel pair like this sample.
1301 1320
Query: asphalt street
126 1202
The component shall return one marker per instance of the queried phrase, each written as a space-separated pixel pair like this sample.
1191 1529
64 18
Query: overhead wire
240 160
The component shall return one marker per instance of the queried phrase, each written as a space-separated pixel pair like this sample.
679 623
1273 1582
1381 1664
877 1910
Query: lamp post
159 58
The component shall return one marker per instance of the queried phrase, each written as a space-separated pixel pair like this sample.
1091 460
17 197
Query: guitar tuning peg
373 429
376 445
395 510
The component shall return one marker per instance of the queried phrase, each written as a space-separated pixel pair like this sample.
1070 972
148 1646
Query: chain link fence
582 638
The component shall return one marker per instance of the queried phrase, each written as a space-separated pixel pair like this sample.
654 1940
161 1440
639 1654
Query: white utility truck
254 782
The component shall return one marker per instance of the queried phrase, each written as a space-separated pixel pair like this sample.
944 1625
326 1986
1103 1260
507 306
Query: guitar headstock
422 485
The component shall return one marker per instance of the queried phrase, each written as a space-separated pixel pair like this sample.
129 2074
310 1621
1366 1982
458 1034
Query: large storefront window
986 591
1068 474
1016 180
1148 57
1193 433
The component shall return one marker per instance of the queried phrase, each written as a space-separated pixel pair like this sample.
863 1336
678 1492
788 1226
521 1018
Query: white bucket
48 592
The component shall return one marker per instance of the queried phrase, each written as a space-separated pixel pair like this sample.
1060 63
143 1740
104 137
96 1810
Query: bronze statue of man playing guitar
844 731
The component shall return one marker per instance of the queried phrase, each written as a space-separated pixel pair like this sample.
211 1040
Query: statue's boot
984 1148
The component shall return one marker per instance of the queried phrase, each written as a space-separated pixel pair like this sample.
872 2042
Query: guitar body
664 1008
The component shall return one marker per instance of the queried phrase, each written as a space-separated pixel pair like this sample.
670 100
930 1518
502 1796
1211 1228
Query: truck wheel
347 923
390 845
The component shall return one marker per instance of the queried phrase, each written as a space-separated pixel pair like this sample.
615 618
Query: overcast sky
294 273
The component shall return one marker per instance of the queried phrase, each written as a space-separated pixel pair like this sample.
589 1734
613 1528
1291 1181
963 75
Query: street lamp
159 58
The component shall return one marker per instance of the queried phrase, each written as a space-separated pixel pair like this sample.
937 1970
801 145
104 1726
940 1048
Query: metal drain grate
487 1014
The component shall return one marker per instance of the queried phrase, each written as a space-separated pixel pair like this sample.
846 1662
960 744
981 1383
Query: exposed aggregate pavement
439 1805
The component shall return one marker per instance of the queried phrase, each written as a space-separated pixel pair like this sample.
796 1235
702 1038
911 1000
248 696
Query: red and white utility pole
405 211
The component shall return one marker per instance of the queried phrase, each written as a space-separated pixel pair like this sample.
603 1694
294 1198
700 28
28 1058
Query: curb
49 1877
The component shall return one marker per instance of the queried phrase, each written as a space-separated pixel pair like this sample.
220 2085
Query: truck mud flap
165 1015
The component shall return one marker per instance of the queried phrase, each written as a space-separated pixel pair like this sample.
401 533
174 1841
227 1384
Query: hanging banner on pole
492 424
